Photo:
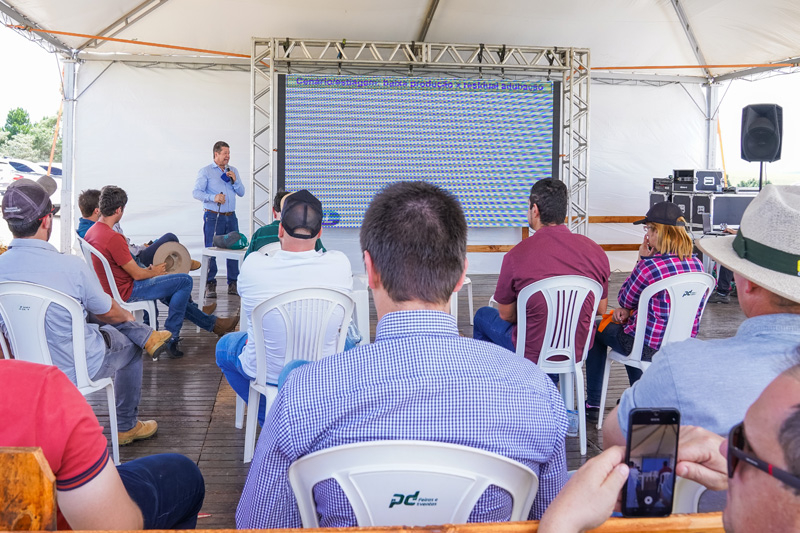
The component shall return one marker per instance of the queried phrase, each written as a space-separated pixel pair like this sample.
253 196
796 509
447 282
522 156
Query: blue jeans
219 225
724 280
229 347
168 488
146 255
488 326
174 291
596 362
123 363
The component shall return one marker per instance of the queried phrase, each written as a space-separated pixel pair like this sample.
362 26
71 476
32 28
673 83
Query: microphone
224 176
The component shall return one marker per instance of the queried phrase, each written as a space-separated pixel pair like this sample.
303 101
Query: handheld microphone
224 176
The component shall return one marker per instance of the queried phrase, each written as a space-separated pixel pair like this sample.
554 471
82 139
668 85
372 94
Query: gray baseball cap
26 200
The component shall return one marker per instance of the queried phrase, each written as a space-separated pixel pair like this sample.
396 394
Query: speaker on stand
762 132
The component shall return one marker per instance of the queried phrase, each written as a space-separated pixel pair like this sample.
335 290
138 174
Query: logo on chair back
411 500
24 308
690 292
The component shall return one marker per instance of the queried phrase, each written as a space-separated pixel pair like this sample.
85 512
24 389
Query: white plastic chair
454 301
565 296
411 483
23 307
269 249
687 294
686 496
307 314
137 308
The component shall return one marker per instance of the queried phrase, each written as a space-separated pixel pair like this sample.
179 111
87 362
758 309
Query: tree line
22 139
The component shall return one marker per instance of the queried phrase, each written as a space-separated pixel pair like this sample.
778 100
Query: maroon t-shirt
550 251
114 248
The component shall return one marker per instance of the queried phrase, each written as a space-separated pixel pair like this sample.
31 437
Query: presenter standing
217 186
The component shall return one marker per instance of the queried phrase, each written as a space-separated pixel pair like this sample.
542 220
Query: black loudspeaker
762 129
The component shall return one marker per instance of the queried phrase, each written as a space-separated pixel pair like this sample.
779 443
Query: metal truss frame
273 56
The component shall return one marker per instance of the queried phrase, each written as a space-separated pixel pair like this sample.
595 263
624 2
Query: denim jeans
724 280
174 291
490 327
596 362
168 488
229 347
123 363
219 225
146 255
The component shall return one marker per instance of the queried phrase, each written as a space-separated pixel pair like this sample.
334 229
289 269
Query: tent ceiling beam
615 78
124 22
756 70
687 28
426 24
570 66
52 44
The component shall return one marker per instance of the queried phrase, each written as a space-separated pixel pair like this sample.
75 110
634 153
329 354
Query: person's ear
281 231
96 212
463 276
373 278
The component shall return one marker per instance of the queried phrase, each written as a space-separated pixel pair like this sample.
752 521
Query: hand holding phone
651 452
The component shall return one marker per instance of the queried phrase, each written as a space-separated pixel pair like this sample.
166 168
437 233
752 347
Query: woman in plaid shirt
665 251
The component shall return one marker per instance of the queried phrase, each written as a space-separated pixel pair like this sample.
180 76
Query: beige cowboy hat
175 255
767 248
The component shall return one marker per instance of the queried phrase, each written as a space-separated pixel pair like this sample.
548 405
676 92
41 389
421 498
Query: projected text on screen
486 141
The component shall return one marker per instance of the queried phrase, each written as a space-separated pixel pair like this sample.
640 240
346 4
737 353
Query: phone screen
651 454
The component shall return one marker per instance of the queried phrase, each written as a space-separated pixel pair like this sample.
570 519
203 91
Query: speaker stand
760 175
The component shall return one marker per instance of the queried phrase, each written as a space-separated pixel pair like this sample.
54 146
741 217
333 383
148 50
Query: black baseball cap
302 210
26 200
665 213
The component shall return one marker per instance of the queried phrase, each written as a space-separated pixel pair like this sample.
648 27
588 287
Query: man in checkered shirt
419 380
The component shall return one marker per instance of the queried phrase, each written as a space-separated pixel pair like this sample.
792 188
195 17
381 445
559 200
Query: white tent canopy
150 129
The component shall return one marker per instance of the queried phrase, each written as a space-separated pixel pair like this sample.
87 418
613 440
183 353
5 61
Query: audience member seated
419 380
268 234
135 283
665 251
111 350
551 251
712 382
143 254
761 473
42 408
295 266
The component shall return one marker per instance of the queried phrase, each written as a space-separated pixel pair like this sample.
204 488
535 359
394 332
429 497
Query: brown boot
208 309
142 430
195 265
157 343
225 325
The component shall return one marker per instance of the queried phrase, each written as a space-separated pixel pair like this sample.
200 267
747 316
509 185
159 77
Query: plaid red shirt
646 272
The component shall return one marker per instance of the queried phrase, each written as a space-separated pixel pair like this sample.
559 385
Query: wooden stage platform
194 405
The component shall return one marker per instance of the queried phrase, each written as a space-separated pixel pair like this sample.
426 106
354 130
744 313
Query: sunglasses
739 449
53 211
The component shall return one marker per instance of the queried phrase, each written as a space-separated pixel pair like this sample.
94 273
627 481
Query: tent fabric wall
150 130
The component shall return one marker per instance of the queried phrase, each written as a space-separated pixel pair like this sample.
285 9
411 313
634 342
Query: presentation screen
487 141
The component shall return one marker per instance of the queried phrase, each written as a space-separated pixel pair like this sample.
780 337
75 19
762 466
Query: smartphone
651 453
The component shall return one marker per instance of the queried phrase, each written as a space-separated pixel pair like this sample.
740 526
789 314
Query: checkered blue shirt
645 273
419 381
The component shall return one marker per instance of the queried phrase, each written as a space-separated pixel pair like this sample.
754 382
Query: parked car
55 169
20 168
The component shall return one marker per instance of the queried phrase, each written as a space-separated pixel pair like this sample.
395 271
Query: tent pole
68 153
712 120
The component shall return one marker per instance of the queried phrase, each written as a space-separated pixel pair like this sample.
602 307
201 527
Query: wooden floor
194 405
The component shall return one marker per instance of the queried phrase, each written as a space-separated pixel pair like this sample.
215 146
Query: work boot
232 288
173 350
208 309
211 290
225 325
157 343
195 265
719 298
142 430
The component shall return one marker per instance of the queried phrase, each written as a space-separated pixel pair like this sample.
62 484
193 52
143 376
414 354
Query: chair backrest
23 307
565 296
411 483
27 490
308 315
88 252
269 249
688 294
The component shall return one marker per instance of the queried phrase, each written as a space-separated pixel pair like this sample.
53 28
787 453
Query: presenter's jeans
214 224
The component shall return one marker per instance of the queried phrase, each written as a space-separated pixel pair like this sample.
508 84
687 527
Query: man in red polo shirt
551 251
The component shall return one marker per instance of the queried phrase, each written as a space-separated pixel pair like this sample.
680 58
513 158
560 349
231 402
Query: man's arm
137 272
238 184
116 315
508 312
101 504
612 434
200 191
602 307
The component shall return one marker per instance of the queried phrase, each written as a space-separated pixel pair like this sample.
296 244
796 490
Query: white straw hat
767 248
175 255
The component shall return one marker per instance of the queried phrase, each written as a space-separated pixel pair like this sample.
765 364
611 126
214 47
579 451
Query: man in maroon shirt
551 251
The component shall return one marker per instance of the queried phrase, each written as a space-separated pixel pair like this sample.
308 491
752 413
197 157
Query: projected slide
487 141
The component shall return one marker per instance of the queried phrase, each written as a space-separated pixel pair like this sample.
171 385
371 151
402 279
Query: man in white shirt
295 266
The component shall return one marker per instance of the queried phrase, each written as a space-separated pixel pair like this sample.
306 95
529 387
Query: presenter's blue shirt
209 183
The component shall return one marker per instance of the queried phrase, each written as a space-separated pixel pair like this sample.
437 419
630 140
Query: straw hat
767 248
175 255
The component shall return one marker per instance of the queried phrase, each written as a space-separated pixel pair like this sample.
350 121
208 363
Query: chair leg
239 420
581 408
454 305
606 374
471 307
112 418
252 421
